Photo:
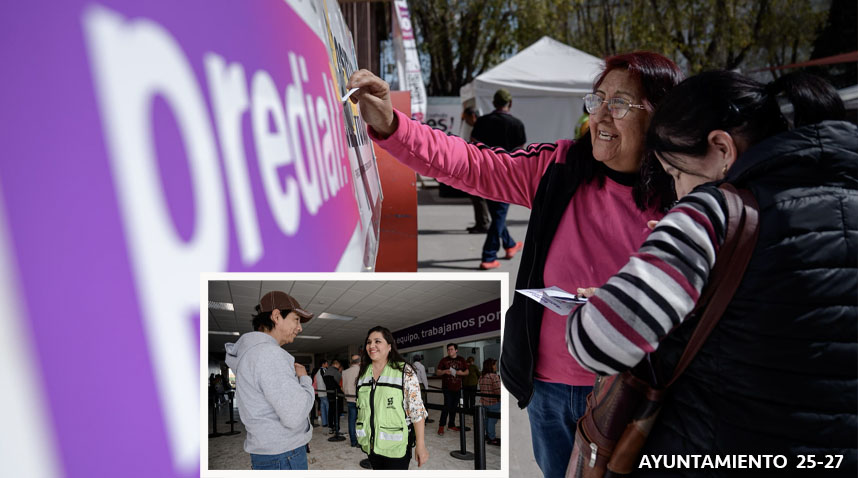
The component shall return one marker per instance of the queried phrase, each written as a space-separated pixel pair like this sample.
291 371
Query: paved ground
227 452
444 245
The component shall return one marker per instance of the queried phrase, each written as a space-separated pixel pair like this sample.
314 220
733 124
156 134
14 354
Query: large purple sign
471 321
144 143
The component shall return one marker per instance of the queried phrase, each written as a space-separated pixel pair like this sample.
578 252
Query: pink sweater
600 229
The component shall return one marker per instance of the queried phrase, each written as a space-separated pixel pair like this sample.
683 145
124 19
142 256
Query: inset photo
363 372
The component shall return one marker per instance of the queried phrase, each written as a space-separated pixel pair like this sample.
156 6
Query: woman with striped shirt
779 373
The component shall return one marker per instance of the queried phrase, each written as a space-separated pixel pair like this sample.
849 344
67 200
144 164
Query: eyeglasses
618 107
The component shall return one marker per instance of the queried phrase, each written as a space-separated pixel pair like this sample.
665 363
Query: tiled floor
227 452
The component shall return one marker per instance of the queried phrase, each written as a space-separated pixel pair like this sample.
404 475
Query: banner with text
144 143
475 320
408 68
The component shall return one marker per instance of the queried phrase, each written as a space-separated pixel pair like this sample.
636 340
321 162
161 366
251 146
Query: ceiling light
328 315
220 306
311 337
220 332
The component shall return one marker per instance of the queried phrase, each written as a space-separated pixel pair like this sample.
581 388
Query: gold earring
724 171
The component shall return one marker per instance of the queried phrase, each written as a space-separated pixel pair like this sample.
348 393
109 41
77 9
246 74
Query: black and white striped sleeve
654 291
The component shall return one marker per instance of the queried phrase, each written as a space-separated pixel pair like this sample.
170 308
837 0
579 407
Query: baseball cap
283 301
502 96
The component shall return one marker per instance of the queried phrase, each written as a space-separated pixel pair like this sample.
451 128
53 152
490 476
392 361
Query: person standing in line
321 391
274 393
390 411
334 391
338 404
490 383
469 384
424 381
350 376
499 129
482 218
335 370
451 369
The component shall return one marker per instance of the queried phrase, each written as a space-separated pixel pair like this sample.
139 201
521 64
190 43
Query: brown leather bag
623 408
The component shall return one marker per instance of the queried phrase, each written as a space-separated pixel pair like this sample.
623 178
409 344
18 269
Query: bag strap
730 265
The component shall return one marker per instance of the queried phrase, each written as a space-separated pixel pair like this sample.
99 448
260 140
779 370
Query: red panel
397 248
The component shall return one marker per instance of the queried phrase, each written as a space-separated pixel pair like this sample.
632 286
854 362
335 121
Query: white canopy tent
547 80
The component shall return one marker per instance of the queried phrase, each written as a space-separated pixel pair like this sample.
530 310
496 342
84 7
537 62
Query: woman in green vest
391 414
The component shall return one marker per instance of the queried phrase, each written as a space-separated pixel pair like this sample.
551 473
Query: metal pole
231 395
231 421
463 453
213 408
479 440
337 436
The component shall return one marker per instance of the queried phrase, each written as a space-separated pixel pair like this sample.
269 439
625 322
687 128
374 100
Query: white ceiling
393 304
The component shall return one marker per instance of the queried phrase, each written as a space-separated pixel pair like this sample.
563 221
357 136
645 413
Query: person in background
502 130
779 372
590 202
218 385
423 379
469 384
321 392
490 383
451 369
334 391
274 393
390 411
335 370
350 376
482 219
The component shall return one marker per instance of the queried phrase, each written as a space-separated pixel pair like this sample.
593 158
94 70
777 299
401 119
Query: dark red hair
657 74
653 187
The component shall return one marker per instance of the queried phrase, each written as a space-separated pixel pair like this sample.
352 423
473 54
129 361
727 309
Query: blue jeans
290 460
323 409
554 411
497 231
352 421
490 422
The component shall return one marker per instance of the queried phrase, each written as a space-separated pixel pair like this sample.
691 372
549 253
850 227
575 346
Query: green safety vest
381 427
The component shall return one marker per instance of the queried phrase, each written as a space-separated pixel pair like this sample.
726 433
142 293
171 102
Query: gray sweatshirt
273 402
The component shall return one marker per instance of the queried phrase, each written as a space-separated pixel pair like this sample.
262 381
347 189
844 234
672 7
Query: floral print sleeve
413 402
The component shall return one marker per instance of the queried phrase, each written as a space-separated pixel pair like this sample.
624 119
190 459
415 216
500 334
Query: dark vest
779 374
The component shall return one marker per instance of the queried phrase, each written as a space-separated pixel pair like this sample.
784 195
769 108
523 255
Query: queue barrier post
462 453
213 410
337 435
479 440
232 422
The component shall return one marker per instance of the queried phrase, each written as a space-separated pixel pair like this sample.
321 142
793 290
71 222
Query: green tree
462 38
700 34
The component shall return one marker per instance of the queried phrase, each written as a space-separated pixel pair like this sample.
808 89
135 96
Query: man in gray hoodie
274 393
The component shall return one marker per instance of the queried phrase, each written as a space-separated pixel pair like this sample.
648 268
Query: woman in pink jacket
590 203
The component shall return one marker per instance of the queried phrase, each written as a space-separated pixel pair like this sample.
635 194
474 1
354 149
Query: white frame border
502 277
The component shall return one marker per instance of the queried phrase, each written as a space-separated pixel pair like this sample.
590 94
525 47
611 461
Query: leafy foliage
464 38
